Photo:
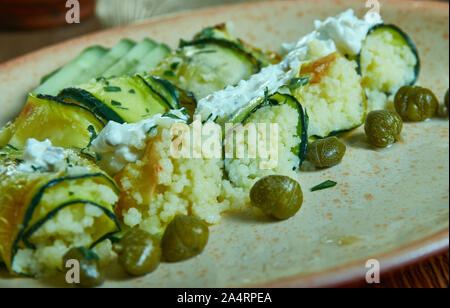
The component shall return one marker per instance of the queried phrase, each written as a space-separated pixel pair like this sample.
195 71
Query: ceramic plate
390 204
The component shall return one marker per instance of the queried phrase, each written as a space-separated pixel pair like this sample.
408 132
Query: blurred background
27 25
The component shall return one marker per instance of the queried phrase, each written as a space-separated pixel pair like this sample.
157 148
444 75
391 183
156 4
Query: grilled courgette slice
388 60
45 117
127 99
221 32
291 122
207 65
44 213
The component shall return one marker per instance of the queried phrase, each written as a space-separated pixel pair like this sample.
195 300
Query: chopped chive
12 147
296 83
116 103
132 91
112 89
169 74
205 51
174 65
324 185
92 134
71 193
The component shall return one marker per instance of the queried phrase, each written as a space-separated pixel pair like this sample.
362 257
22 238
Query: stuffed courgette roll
51 200
334 97
388 60
275 140
212 61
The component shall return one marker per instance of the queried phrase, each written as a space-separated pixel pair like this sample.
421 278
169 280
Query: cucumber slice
66 75
112 57
131 59
151 60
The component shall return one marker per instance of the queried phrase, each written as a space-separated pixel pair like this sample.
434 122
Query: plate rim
347 274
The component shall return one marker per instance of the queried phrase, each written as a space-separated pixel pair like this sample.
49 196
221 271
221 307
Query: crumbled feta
120 144
41 156
344 32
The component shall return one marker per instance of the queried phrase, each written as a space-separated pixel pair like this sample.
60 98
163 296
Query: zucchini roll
388 60
334 98
158 186
280 148
50 201
212 61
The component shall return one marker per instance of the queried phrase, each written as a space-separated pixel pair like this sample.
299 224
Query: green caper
326 152
383 127
415 104
277 196
184 238
90 273
139 252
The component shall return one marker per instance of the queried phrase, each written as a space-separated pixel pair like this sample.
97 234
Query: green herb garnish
12 147
169 74
116 103
174 65
92 135
205 51
324 185
112 89
296 83
131 91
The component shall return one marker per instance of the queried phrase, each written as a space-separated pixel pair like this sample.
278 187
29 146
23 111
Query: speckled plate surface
390 204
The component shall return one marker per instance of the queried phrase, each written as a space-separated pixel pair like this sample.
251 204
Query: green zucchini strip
127 99
46 117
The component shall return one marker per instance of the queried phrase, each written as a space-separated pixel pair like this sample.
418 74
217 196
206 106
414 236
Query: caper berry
383 127
277 196
139 252
90 273
415 104
184 238
326 152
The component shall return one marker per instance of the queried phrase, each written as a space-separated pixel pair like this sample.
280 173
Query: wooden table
432 273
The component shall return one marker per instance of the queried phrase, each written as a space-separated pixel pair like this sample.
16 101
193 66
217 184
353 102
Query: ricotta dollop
120 144
42 156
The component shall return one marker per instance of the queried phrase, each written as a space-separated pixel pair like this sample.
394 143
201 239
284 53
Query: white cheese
120 144
42 156
344 32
